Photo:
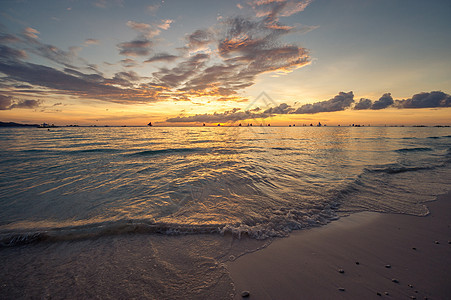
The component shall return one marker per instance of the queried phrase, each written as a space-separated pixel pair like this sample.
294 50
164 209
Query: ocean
134 212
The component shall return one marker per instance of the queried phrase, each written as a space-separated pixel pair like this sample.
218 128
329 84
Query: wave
95 150
397 169
102 229
60 151
279 224
281 148
418 149
168 151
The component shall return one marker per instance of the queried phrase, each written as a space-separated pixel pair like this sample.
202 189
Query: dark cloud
77 83
200 39
129 63
7 103
142 45
363 104
162 57
385 101
135 48
247 48
338 103
232 115
242 47
281 109
8 38
125 79
183 71
425 100
26 104
55 54
7 53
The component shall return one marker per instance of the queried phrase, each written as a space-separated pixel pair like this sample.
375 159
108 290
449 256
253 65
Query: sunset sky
176 63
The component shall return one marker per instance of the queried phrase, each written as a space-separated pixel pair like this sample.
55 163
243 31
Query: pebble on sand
341 271
395 280
342 289
357 263
245 294
379 294
437 242
388 266
414 248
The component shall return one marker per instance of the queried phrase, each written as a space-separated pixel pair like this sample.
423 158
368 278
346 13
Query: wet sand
364 256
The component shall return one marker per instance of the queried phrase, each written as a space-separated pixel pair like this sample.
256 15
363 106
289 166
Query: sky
184 63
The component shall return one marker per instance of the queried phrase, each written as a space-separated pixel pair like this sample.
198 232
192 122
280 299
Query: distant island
12 124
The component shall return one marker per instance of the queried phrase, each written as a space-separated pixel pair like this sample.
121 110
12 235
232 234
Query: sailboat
150 124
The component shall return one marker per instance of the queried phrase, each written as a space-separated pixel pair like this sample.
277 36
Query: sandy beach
364 256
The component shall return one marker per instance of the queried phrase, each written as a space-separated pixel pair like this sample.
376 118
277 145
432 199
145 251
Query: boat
45 125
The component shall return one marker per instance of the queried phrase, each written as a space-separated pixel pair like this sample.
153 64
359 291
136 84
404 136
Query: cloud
385 101
129 63
135 48
100 3
426 100
125 79
142 45
146 31
153 8
338 103
162 57
150 30
216 62
178 75
246 48
91 42
29 104
432 99
7 103
273 9
29 43
56 54
120 88
165 24
31 33
232 115
199 40
8 38
11 54
363 104
281 109
104 3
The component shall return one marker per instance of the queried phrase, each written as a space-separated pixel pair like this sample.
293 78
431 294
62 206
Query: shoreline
364 255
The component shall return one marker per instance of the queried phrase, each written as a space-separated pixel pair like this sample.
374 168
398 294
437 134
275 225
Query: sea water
153 212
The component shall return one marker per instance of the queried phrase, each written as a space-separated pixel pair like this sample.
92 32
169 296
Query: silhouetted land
12 124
